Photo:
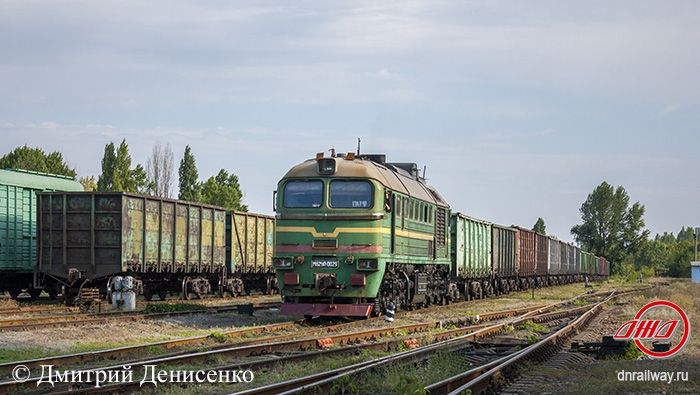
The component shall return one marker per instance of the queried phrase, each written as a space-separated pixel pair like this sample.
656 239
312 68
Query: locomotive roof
395 176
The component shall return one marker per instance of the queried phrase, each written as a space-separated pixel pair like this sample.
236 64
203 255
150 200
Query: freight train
356 235
56 239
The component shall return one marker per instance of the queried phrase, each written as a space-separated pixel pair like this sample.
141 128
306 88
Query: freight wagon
357 235
168 246
18 227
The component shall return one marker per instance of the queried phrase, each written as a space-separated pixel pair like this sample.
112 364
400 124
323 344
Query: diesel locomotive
356 234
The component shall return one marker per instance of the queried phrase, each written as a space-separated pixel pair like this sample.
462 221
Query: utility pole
697 230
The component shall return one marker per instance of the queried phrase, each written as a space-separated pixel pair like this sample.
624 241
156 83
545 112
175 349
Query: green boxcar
18 190
504 252
96 235
588 263
471 246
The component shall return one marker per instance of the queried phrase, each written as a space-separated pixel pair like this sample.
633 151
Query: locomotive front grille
325 244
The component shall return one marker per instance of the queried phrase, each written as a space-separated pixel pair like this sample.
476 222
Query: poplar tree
190 189
117 174
540 227
105 181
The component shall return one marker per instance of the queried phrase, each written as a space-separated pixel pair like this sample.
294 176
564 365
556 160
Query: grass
154 308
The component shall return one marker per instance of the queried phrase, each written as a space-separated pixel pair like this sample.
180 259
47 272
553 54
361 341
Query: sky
517 110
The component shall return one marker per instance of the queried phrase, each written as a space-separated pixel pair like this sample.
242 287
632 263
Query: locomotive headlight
282 263
326 166
367 264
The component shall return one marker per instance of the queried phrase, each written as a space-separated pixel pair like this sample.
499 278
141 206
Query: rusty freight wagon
250 243
168 246
533 258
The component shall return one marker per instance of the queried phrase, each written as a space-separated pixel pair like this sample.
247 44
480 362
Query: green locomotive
356 234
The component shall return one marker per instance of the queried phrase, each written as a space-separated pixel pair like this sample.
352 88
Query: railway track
450 342
384 339
41 322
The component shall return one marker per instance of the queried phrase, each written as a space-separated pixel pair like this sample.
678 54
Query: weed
344 385
218 337
532 339
410 385
533 327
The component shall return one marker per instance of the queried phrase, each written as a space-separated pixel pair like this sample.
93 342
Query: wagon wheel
186 282
147 294
110 282
162 294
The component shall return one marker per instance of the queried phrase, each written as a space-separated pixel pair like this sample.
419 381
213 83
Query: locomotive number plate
324 263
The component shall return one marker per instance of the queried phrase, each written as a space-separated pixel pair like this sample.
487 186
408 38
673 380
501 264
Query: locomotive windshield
351 194
303 194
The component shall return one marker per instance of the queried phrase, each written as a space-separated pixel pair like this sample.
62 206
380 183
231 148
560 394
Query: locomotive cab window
351 194
303 194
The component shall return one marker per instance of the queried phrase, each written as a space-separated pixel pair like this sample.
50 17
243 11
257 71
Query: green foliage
533 326
410 385
35 159
344 385
218 337
88 183
190 189
532 339
223 190
540 227
117 174
611 227
105 181
652 254
680 255
686 234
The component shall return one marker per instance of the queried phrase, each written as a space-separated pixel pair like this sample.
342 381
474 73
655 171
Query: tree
117 174
190 189
35 159
159 168
105 181
611 227
540 227
686 233
223 190
88 183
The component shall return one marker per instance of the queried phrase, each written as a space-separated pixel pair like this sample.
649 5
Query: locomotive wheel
162 295
147 294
